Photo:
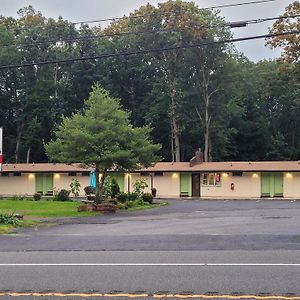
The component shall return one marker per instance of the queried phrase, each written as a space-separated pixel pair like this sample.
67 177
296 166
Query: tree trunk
28 155
175 127
99 184
18 142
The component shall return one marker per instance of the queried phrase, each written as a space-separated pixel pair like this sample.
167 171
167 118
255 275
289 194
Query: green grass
43 209
6 229
142 207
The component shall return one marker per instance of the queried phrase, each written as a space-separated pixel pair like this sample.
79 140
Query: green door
185 184
271 184
278 185
44 184
120 180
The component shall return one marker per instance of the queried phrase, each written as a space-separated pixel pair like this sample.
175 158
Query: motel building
198 179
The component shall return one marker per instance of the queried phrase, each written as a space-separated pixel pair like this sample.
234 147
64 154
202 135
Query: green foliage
115 189
89 190
147 197
6 218
139 186
62 195
122 197
37 197
105 136
75 187
107 186
132 196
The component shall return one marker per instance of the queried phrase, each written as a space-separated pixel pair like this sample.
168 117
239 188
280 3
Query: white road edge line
149 264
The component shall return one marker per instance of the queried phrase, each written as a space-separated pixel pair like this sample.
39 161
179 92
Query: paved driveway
182 225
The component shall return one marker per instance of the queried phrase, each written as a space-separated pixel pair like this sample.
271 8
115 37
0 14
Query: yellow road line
144 295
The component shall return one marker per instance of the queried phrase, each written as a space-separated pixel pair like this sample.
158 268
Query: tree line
209 97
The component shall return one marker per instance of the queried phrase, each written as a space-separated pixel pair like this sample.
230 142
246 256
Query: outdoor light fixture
31 176
56 176
255 175
289 175
175 175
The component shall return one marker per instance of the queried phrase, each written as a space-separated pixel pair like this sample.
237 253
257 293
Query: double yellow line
145 295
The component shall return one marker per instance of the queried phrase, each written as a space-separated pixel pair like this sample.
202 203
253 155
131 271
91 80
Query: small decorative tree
75 187
139 186
102 137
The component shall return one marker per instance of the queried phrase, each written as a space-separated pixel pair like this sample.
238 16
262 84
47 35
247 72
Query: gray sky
82 10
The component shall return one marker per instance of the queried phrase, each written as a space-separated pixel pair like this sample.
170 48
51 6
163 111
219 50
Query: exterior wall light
289 175
31 176
225 175
175 175
56 176
254 175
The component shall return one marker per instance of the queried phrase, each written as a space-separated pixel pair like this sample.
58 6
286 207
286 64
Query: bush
37 197
115 189
139 186
63 195
8 219
122 197
75 187
132 196
89 190
147 197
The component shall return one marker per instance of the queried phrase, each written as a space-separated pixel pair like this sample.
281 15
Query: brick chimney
197 159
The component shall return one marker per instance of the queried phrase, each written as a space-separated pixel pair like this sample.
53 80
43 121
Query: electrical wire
142 16
232 24
155 50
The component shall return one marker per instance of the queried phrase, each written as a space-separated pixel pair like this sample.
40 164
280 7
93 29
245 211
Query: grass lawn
32 210
43 209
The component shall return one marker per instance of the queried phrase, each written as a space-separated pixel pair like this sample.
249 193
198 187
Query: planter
105 207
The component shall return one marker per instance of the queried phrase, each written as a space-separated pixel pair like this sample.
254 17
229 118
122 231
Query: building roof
257 166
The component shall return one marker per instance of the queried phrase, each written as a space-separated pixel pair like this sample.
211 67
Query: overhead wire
67 40
145 51
144 15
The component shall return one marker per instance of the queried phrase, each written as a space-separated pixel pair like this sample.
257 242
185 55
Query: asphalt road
190 248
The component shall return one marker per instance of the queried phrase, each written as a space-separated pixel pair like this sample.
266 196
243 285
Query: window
158 173
237 173
144 173
85 173
72 174
211 179
17 174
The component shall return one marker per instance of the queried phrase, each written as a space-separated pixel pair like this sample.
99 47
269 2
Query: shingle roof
257 166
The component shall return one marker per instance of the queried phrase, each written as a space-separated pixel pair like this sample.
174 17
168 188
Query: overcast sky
82 10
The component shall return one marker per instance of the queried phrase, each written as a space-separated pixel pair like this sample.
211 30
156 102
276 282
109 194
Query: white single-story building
227 180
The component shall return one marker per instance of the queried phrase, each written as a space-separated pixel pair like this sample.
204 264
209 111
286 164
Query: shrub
107 187
132 196
89 190
139 186
147 197
75 187
63 195
122 197
37 197
115 189
8 219
121 206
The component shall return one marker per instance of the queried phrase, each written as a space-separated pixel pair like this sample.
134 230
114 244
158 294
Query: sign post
1 142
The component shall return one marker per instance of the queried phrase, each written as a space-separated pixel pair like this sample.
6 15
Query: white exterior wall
63 180
167 186
246 186
17 185
291 185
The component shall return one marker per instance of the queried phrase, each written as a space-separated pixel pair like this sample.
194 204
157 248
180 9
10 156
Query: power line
142 16
155 50
229 24
239 4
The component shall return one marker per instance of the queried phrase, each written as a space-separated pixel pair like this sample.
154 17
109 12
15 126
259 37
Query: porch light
254 175
57 176
175 176
31 176
225 175
289 175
